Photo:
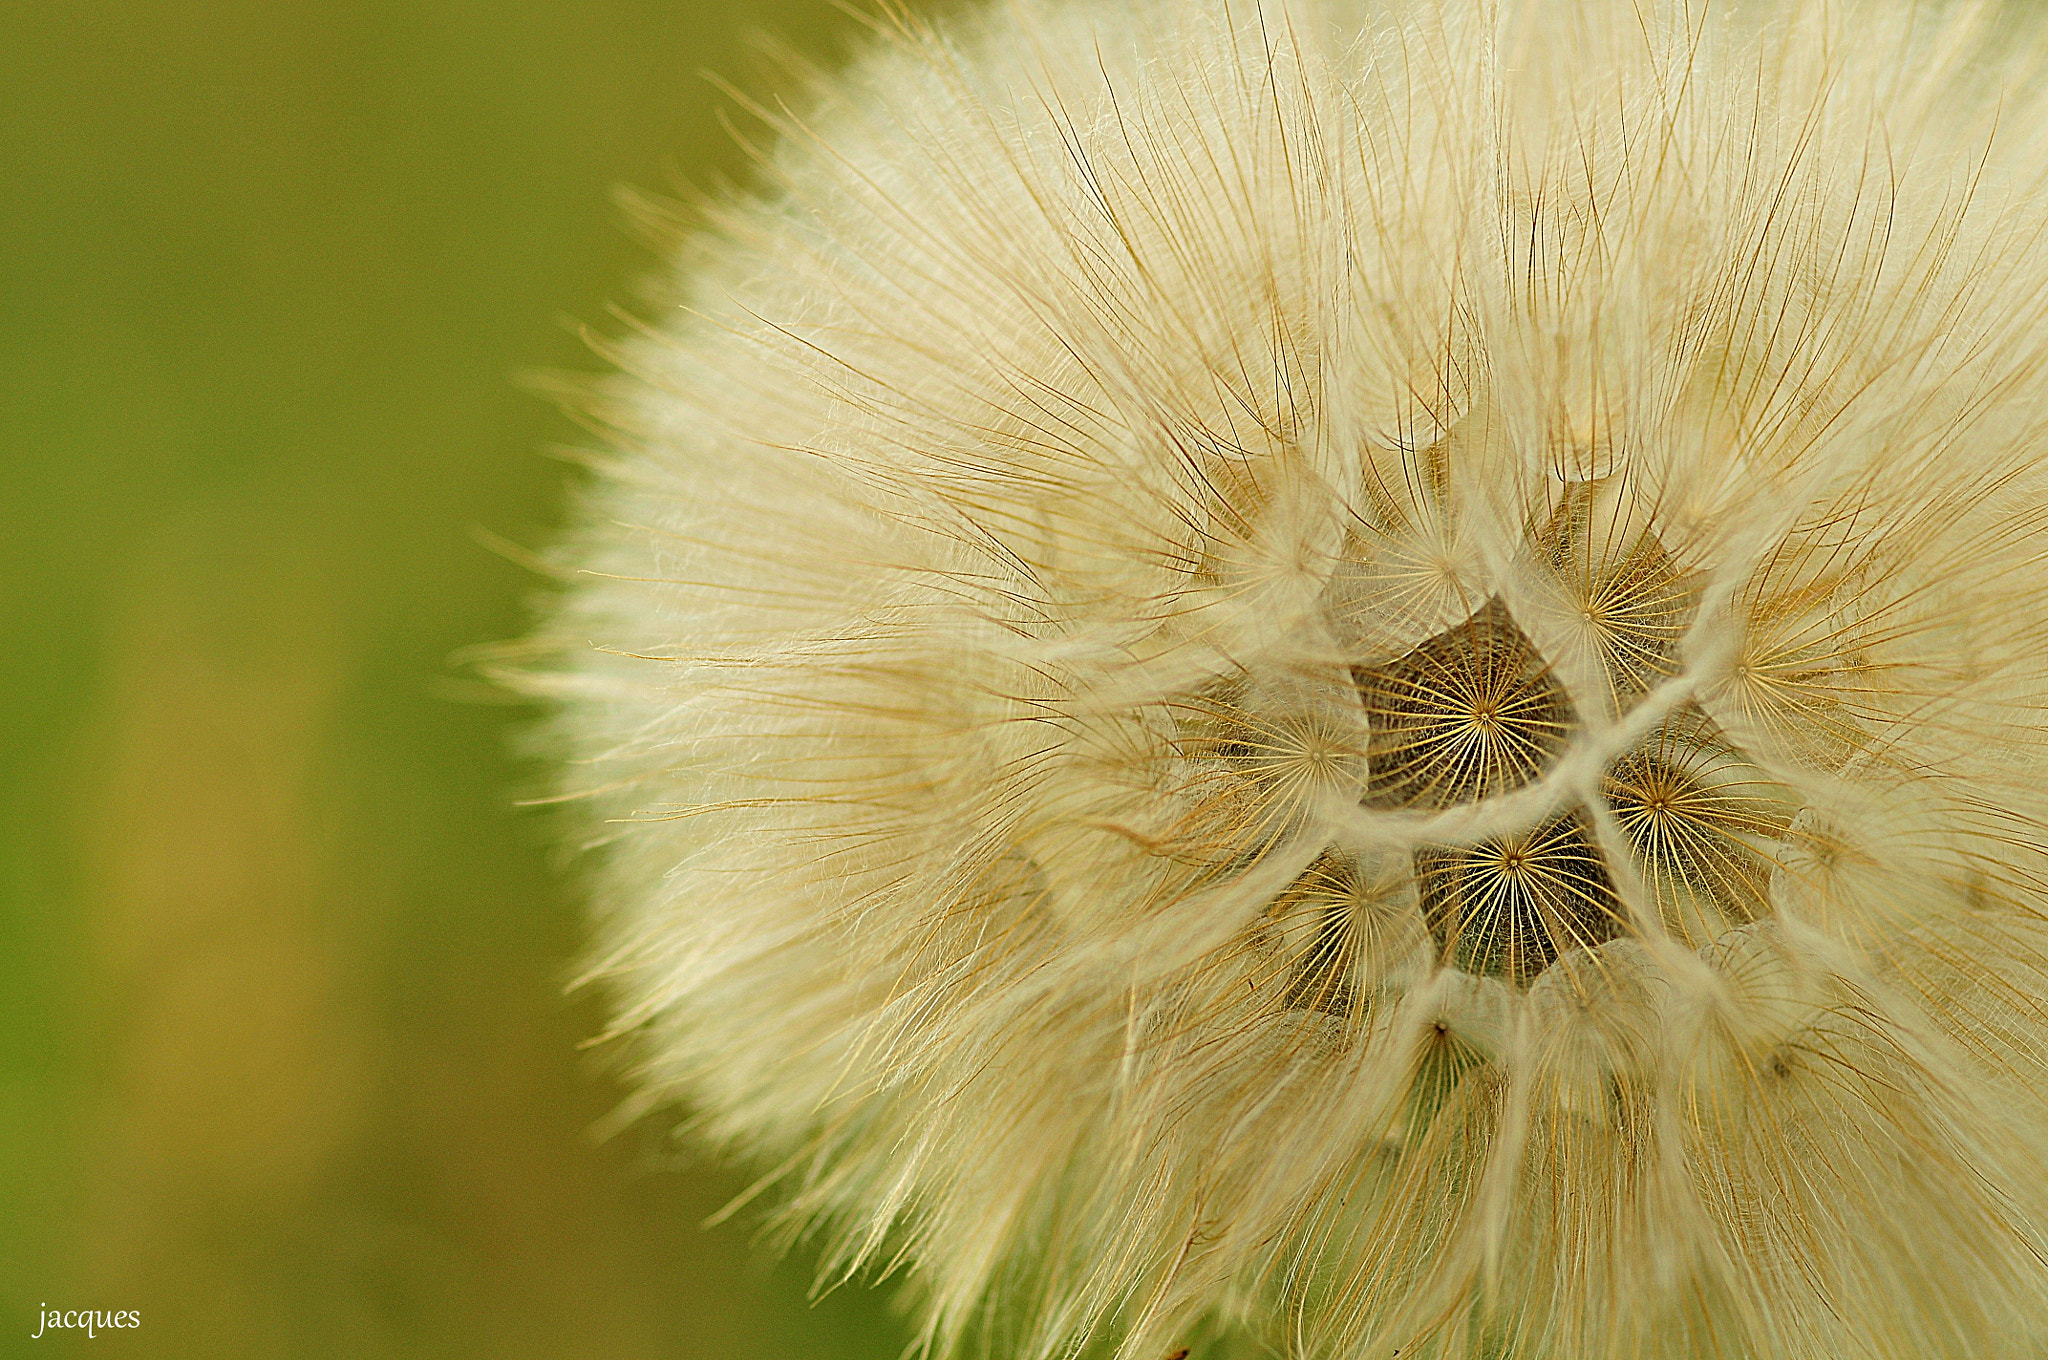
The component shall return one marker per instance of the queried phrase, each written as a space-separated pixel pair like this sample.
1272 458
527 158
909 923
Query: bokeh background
286 1063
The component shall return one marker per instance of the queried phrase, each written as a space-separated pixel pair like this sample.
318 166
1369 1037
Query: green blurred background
285 1061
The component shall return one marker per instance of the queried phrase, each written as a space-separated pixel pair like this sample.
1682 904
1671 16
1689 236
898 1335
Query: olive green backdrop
285 1063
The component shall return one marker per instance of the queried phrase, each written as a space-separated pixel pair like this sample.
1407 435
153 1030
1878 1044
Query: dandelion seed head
1355 679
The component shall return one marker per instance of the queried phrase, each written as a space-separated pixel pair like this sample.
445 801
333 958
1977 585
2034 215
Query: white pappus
1344 679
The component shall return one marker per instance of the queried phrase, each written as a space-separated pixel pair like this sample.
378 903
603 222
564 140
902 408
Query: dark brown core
1471 713
1509 906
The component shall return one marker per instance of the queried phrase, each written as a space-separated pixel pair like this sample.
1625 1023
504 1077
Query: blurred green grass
284 1059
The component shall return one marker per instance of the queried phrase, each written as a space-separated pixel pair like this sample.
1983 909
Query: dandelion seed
1352 679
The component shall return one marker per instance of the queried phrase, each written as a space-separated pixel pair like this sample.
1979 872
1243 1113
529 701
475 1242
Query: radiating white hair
1358 679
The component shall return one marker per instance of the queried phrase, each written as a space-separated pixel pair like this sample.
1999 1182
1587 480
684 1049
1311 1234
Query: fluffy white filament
1359 679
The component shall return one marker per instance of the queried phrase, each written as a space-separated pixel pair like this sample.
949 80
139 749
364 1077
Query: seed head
1364 677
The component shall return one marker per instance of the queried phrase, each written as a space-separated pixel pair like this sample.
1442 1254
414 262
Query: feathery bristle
1352 679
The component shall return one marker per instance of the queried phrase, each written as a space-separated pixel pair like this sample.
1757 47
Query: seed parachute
1338 680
